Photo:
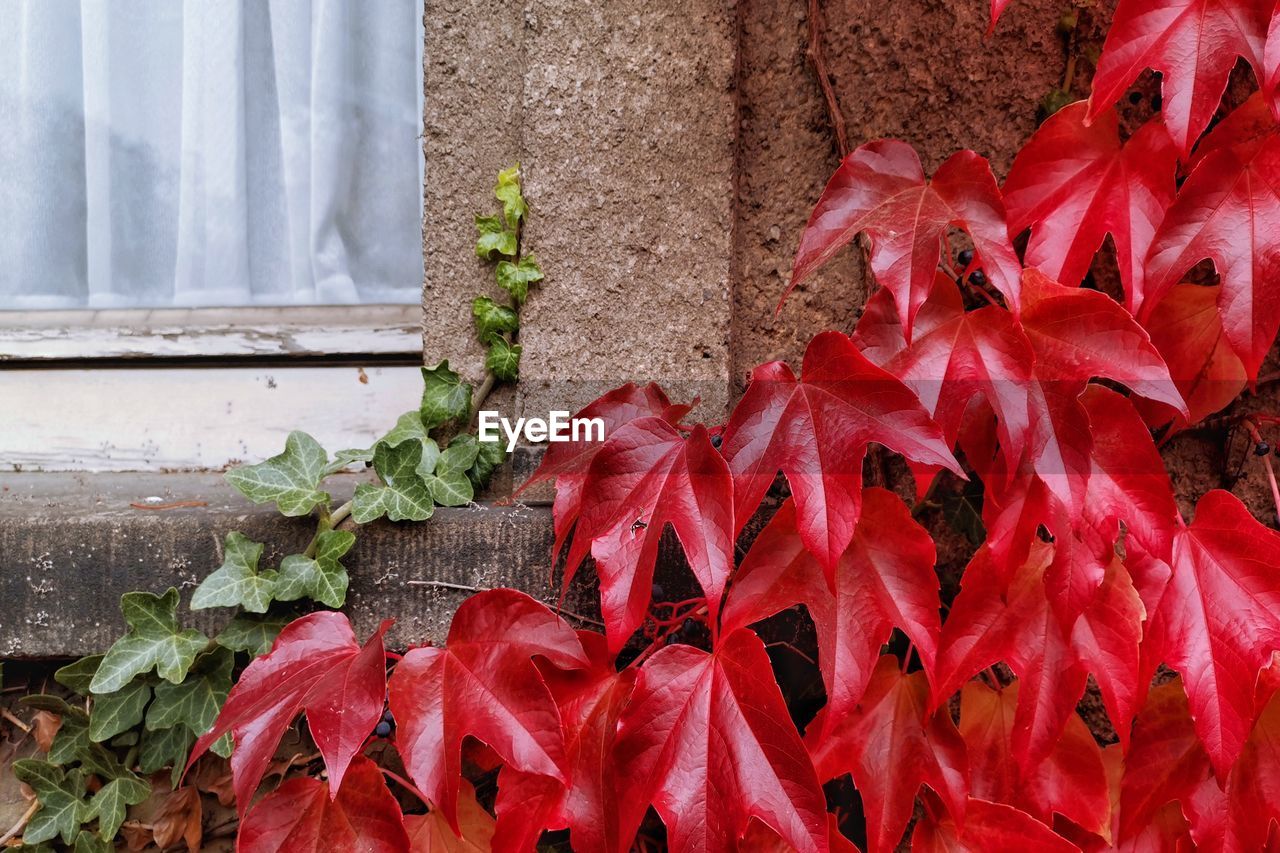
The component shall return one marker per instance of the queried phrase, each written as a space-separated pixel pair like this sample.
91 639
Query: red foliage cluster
1088 569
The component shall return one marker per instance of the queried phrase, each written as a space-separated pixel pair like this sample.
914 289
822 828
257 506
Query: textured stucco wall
623 115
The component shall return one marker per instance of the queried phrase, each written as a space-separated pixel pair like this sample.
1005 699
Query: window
190 187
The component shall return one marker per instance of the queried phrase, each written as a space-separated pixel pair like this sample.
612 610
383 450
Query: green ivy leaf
195 702
237 582
345 458
503 360
321 579
490 455
508 192
291 479
410 428
493 320
116 712
154 641
77 676
111 802
445 396
494 236
515 278
165 748
73 735
72 739
450 486
87 842
404 496
61 796
253 633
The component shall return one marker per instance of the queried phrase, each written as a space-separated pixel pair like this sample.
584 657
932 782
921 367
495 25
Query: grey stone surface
623 116
70 545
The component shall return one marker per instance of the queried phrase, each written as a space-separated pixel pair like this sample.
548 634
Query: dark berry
965 257
383 729
1261 449
715 441
978 278
659 594
1134 97
386 715
1156 102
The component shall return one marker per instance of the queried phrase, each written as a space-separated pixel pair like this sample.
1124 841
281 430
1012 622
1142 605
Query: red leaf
1238 815
990 828
988 624
953 358
568 461
1228 211
884 580
1187 330
707 740
298 817
431 833
761 839
816 431
1071 781
1218 620
590 701
314 666
1073 184
892 744
881 189
646 476
1166 762
997 9
483 684
1077 335
1192 43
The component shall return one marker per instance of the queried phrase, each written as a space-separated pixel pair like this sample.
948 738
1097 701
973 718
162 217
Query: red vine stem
406 784
819 61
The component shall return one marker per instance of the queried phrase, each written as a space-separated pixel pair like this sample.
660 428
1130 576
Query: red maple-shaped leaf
431 833
707 740
1165 761
991 622
315 666
885 579
1218 620
300 817
591 702
954 358
1228 211
1192 43
1071 781
484 684
1074 183
892 744
1077 335
881 189
567 462
816 431
646 476
1187 330
989 828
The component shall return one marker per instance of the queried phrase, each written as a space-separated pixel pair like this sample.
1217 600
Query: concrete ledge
71 544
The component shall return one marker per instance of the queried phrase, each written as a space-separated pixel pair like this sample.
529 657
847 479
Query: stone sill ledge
71 544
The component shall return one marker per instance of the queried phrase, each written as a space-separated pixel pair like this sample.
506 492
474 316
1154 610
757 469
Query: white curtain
209 152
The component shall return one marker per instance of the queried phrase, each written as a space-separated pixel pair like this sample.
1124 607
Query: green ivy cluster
499 239
161 685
